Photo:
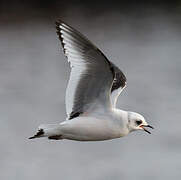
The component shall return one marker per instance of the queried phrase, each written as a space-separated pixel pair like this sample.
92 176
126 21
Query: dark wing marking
119 79
119 83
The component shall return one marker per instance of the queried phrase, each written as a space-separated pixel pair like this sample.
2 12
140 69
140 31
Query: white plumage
93 88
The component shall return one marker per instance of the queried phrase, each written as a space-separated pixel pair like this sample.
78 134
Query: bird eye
138 122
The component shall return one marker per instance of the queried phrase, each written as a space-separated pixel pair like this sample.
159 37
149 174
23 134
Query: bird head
137 122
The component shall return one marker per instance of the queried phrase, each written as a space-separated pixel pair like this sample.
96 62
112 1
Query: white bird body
95 128
92 92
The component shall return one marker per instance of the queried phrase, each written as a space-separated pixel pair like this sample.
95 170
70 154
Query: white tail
52 131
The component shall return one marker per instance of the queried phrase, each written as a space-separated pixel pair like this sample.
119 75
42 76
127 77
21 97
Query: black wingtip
33 137
38 134
58 23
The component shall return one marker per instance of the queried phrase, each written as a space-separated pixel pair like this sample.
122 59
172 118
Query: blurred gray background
143 39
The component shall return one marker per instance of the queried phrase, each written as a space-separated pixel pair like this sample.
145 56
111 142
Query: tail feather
38 134
48 130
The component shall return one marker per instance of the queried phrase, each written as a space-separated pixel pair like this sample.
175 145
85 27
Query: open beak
143 127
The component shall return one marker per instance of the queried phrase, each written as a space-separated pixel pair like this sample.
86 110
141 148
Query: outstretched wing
119 83
91 76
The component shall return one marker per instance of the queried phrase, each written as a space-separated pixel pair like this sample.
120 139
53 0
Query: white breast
91 129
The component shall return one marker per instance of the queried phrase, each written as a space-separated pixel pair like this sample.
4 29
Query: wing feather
119 83
91 76
94 81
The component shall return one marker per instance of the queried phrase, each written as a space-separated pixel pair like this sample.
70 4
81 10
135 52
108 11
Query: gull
92 92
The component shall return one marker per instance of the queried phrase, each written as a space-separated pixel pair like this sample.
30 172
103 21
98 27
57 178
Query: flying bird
92 92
